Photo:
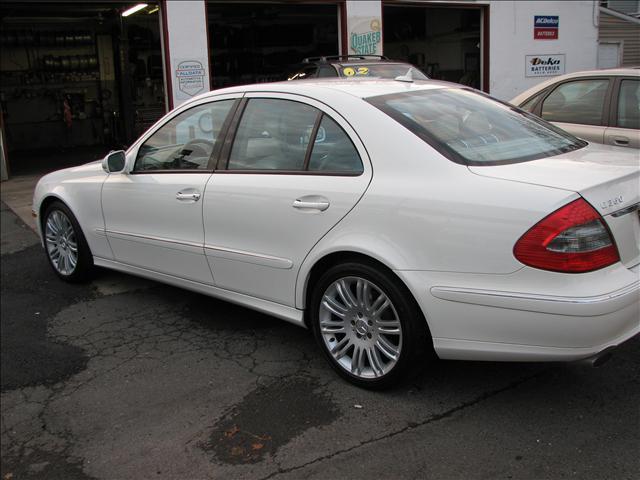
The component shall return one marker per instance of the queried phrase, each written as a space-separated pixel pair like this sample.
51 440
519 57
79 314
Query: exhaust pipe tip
599 359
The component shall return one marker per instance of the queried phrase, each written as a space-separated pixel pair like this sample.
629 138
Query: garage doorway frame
484 28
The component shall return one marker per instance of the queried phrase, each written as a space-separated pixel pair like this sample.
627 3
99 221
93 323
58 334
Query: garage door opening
77 79
444 42
262 42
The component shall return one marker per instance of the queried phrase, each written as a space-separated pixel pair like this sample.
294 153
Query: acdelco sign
546 27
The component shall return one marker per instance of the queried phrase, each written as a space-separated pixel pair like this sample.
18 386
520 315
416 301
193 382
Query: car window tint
629 104
333 151
326 71
273 134
186 141
473 129
529 104
581 101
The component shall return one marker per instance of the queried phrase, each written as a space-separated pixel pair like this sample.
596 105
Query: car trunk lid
607 177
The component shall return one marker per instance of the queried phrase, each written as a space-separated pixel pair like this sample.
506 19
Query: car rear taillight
572 239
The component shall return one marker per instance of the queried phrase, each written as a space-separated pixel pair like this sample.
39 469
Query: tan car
601 106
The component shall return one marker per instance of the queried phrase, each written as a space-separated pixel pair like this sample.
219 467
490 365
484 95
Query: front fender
79 188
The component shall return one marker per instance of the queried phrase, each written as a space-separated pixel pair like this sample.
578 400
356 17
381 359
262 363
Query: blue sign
546 21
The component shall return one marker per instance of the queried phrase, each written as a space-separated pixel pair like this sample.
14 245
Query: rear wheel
368 325
66 247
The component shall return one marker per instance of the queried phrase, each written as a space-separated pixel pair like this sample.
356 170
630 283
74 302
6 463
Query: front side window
289 136
186 141
580 101
629 104
473 129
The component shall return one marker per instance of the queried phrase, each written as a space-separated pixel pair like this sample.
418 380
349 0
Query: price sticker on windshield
360 71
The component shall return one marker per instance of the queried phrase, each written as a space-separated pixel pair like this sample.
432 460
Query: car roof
620 72
361 88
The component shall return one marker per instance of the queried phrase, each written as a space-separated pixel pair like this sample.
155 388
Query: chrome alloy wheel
62 246
360 327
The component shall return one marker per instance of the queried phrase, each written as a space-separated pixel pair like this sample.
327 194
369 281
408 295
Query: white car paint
447 231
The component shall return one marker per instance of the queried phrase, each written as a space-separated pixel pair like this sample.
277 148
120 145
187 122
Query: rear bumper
530 315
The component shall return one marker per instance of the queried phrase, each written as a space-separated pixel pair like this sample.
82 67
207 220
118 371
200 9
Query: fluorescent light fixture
134 9
153 10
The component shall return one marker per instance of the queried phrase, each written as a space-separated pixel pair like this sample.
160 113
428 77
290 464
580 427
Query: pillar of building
186 47
364 27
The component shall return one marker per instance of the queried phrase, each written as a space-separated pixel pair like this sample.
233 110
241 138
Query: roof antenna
407 77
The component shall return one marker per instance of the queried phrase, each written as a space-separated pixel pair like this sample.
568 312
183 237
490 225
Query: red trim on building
485 48
344 35
167 57
206 26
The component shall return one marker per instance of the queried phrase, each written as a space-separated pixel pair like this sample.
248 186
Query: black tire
415 344
84 268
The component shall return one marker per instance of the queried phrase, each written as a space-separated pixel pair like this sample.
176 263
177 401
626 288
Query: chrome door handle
315 204
190 196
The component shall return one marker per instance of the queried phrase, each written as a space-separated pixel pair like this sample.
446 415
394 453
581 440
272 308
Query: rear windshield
474 129
381 70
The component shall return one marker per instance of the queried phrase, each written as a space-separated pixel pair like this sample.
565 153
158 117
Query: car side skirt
283 312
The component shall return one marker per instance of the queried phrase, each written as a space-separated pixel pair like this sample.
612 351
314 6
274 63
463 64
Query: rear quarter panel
424 212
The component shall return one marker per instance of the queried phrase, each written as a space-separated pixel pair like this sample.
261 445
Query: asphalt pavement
124 378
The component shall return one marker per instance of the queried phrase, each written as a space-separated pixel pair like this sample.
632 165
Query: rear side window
333 151
289 136
473 129
273 134
581 102
629 104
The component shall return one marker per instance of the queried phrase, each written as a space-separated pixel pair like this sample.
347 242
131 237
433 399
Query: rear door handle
311 202
188 196
621 140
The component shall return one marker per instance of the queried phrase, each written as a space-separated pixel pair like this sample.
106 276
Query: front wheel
367 324
67 249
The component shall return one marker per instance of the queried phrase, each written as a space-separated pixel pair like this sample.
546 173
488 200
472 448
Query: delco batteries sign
546 27
544 65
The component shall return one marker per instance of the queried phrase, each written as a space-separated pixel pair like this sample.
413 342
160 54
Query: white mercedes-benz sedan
393 218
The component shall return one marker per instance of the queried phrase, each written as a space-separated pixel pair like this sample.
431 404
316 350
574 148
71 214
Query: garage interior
444 42
263 42
76 80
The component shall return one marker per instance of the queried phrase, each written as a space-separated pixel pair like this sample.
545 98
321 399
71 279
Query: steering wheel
199 147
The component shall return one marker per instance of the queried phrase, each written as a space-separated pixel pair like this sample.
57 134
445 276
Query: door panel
622 137
260 225
153 215
147 226
591 133
256 239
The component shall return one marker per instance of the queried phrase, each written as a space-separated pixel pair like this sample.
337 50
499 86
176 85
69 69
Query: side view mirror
114 162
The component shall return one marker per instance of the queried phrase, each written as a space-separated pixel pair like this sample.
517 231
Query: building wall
627 32
511 39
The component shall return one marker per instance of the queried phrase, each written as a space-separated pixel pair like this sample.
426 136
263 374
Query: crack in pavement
411 426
